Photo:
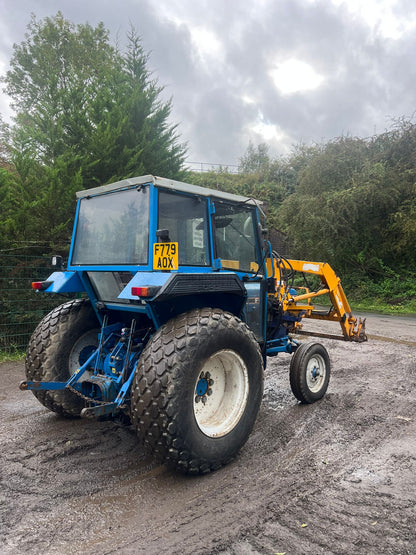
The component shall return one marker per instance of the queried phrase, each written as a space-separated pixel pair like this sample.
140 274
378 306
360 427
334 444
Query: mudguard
64 282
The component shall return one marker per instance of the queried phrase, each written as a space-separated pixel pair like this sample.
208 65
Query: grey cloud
366 77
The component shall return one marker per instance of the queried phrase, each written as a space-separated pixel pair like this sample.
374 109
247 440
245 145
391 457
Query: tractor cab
119 225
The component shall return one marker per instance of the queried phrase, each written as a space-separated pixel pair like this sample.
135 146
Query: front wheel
197 390
309 372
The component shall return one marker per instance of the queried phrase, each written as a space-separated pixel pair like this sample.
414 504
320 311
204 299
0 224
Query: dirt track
334 477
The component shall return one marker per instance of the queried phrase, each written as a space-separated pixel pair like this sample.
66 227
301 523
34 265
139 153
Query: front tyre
309 372
197 390
61 343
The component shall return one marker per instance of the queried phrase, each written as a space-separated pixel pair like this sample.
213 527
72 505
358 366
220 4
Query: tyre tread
297 373
42 355
162 364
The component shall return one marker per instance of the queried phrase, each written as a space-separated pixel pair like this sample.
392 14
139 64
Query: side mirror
57 262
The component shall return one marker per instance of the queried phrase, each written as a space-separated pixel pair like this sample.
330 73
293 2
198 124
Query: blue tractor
180 301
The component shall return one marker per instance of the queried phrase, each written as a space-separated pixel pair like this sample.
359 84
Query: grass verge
11 356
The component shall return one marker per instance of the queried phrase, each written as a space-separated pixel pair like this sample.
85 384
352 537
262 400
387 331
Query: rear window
113 229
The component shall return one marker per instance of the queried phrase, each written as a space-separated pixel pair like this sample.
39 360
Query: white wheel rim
219 408
89 339
315 373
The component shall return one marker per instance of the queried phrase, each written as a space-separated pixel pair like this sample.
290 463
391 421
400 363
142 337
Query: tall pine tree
86 114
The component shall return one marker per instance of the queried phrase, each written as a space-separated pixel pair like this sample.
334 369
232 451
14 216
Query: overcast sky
273 71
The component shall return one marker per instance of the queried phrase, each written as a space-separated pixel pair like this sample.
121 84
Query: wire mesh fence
207 167
21 308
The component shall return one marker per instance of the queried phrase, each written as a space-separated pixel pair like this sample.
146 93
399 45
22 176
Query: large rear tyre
309 372
60 344
197 390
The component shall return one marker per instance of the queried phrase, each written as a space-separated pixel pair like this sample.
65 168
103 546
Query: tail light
144 291
41 285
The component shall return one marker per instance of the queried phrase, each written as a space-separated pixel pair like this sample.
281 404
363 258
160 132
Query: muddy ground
338 476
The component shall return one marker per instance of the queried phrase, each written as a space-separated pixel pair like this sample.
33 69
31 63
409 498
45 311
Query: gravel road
334 477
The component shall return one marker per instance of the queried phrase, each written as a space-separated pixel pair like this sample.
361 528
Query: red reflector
140 291
41 285
38 285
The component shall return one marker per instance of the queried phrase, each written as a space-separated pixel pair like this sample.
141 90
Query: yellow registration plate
165 256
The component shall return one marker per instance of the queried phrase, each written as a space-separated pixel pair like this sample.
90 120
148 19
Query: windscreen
113 229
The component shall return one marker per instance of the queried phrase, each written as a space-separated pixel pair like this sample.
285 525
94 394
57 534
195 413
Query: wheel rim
221 393
315 373
81 351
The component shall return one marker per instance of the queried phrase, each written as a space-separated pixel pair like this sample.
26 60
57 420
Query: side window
235 241
186 220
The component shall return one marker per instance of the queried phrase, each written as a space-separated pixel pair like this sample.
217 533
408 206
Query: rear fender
64 282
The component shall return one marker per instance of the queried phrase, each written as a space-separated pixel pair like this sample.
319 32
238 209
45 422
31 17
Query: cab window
185 219
235 243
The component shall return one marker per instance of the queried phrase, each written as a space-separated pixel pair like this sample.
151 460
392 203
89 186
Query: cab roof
166 184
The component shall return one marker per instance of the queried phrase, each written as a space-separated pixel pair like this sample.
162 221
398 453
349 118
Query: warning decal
165 256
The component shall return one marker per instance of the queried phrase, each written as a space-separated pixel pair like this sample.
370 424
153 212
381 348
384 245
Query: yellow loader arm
353 329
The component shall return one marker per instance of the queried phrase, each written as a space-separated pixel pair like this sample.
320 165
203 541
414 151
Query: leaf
304 525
